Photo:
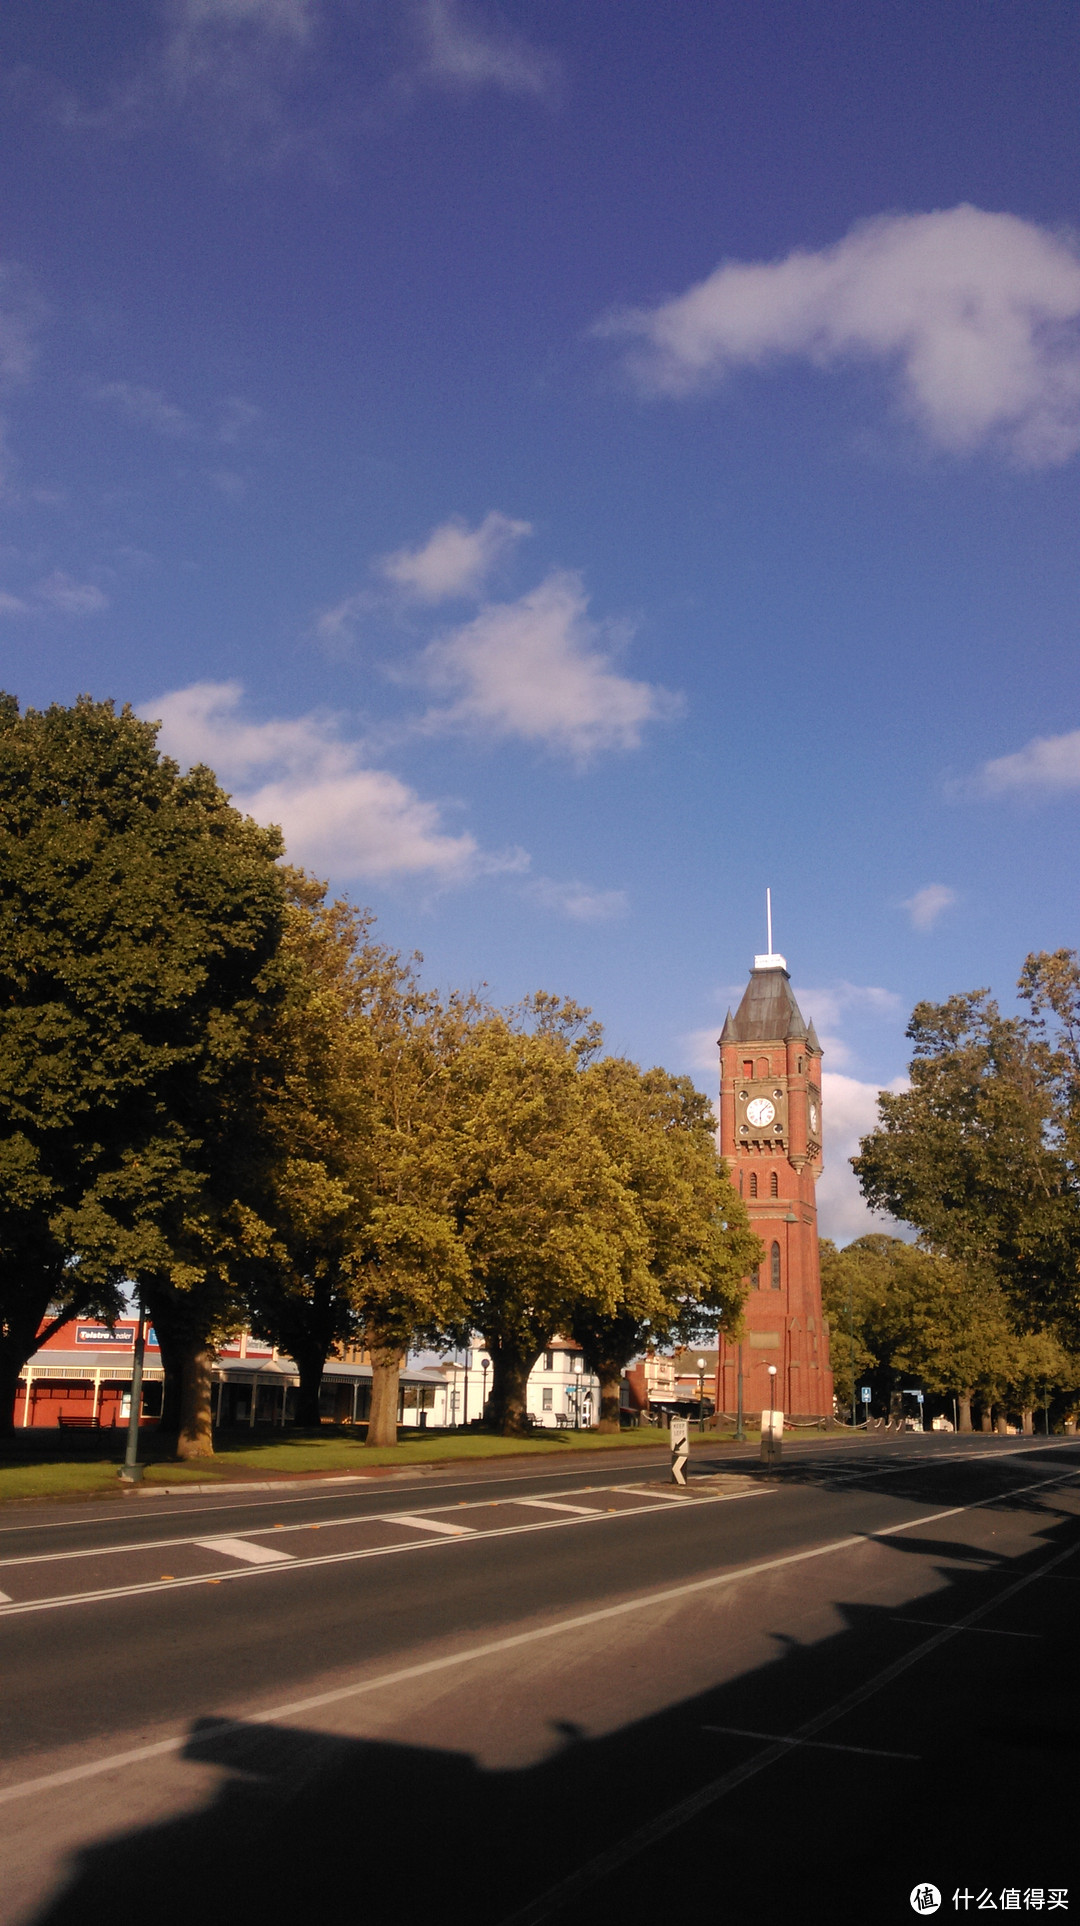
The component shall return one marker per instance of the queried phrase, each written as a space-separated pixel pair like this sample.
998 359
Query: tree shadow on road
956 1770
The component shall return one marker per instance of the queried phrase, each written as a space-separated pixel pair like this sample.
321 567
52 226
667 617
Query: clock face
760 1112
813 1116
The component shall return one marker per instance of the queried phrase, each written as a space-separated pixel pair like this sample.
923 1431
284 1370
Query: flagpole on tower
768 920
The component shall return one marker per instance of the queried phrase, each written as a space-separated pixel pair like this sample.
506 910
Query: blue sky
575 465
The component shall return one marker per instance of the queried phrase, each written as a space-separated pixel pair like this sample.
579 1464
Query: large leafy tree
140 915
971 1154
547 1222
353 1238
684 1269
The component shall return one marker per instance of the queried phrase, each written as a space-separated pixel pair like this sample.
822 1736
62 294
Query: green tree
140 915
854 1288
693 1247
547 1222
354 1240
969 1154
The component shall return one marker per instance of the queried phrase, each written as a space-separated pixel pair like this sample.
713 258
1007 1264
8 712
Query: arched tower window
774 1185
753 1183
776 1267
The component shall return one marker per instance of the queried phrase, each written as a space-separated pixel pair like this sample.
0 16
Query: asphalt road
514 1694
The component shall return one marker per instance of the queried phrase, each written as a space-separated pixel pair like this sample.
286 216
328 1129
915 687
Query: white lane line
241 1548
573 1888
295 1708
313 1491
988 1631
427 1524
104 1594
555 1504
820 1745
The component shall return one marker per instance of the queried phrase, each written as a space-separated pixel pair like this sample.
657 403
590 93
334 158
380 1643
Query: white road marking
554 1504
577 1884
821 1745
29 1788
243 1549
105 1593
4 1599
418 1523
988 1631
313 1491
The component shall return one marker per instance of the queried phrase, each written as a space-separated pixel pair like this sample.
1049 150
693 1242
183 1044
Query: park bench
80 1423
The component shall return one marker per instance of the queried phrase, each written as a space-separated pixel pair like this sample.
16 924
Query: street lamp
701 1393
485 1366
772 1388
740 1433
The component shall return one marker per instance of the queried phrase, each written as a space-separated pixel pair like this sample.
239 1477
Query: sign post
680 1449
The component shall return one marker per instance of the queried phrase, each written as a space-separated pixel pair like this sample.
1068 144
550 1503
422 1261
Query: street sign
864 1393
680 1449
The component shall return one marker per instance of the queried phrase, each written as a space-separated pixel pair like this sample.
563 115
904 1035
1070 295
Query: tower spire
770 961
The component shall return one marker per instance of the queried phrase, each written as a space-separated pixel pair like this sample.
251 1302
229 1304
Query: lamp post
772 1389
485 1366
132 1471
465 1392
740 1433
701 1394
851 1337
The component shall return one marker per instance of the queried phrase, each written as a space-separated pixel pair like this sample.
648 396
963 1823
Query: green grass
35 1469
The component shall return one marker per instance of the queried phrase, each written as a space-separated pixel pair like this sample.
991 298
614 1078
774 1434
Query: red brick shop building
770 1135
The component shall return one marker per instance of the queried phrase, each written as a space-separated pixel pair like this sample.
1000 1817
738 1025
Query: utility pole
740 1434
132 1471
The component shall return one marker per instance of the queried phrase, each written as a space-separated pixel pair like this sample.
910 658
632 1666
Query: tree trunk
1027 1421
10 1366
508 1406
309 1365
1001 1424
385 1377
610 1394
986 1422
964 1404
196 1438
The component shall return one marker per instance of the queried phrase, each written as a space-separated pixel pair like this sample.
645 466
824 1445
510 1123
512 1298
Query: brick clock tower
770 1136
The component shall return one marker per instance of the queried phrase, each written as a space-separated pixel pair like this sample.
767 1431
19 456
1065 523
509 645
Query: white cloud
977 311
455 560
336 813
68 597
532 669
58 593
849 1111
835 1008
22 312
147 407
579 901
460 50
1047 764
928 904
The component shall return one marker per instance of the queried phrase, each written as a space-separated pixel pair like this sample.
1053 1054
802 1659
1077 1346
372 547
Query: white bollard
680 1449
772 1433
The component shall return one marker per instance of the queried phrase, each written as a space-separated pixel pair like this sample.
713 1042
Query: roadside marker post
772 1433
680 1449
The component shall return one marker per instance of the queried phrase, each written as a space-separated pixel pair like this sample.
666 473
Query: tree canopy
139 917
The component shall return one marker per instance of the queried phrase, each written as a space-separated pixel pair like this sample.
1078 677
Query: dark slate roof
768 1011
